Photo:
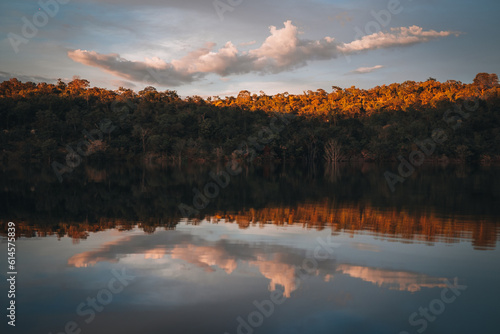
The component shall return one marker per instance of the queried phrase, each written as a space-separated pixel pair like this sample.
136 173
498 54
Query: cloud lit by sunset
199 48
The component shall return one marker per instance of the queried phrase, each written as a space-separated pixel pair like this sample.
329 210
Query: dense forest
64 123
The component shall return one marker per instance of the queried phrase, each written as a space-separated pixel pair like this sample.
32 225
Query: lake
276 249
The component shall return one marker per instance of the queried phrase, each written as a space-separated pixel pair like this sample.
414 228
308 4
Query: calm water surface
280 250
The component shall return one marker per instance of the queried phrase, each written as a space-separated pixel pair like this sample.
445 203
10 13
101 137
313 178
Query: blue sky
207 47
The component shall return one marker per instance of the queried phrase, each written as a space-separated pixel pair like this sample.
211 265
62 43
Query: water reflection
432 206
277 264
221 268
396 252
399 225
205 257
398 280
281 265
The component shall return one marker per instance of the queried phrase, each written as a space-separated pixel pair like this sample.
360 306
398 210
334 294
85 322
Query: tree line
57 122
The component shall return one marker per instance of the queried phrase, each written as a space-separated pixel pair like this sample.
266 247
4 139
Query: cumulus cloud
283 50
362 70
223 62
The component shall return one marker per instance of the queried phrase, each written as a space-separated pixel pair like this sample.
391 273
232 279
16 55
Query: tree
142 133
333 151
78 84
61 85
485 81
149 93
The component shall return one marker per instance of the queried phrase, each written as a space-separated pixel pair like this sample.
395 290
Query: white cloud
282 51
362 70
397 37
205 60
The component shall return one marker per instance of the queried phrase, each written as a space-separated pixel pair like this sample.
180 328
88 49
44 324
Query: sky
220 47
